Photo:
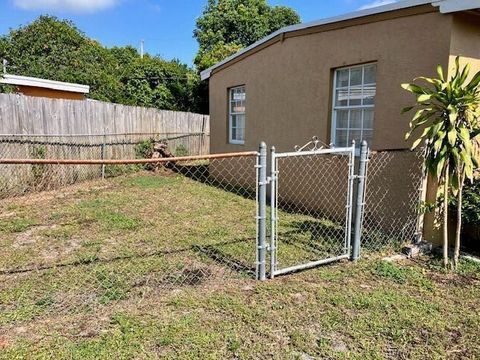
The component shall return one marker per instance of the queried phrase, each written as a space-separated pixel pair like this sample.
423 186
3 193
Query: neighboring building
31 86
338 78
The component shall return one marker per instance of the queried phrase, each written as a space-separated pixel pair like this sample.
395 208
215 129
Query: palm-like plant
448 112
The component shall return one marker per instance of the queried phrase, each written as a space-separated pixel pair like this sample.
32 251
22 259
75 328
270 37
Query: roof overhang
43 83
449 6
445 7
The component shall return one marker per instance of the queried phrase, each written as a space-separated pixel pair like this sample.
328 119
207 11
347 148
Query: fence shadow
321 236
212 251
220 256
201 173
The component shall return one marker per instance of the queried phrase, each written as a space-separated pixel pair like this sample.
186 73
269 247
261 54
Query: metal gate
311 198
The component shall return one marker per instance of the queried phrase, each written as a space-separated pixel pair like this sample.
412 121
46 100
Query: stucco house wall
289 84
289 87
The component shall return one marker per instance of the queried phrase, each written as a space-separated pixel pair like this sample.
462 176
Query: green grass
141 267
16 225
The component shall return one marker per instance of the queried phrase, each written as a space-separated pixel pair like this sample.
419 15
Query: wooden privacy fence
43 117
36 128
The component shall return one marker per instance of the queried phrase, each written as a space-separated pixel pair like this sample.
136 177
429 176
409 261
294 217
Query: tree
152 81
55 49
227 26
448 112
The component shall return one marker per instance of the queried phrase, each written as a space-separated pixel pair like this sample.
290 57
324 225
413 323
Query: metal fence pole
273 213
102 155
351 187
262 213
360 201
421 199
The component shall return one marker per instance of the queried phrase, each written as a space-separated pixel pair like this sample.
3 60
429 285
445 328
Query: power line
179 77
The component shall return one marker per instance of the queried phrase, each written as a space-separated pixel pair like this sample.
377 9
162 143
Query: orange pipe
125 161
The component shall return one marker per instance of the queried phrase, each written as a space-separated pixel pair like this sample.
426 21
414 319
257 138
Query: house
31 86
338 78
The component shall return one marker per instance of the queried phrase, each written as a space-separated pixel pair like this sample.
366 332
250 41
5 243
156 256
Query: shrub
144 149
181 150
38 171
471 203
470 214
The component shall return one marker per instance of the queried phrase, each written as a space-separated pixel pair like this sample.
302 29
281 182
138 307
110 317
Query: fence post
360 201
421 199
102 155
262 213
273 213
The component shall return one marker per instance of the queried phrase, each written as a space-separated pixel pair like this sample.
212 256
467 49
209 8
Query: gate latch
268 180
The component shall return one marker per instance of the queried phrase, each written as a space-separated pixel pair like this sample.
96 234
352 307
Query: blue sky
166 25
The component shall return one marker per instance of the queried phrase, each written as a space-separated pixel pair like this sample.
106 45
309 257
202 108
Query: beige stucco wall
289 86
289 83
465 41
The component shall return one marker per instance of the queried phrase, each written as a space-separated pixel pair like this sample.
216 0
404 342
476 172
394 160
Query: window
354 102
237 98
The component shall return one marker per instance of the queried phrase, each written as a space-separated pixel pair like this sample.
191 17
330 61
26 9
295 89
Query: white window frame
231 114
350 107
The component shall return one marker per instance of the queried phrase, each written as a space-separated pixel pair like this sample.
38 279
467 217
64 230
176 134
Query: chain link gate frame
354 206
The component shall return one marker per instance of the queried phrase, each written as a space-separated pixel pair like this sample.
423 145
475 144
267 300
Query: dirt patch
7 215
46 196
29 237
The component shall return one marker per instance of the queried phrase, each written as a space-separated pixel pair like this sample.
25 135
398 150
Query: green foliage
112 286
16 225
448 112
226 26
144 149
181 150
403 275
56 49
38 171
392 271
209 57
471 203
39 152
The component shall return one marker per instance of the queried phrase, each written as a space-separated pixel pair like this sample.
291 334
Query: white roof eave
43 83
450 6
446 6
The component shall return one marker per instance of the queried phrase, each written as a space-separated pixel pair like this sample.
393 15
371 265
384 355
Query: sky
166 26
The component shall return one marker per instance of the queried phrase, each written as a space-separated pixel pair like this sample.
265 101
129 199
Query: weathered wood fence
87 121
39 128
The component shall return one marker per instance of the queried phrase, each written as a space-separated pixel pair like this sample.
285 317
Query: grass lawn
160 266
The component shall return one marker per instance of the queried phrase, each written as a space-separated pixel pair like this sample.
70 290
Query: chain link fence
395 190
21 179
83 250
313 208
95 248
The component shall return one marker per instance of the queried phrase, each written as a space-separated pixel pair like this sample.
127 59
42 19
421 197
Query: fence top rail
124 161
107 134
337 151
159 138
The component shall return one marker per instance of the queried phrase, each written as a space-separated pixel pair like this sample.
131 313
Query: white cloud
377 3
79 6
